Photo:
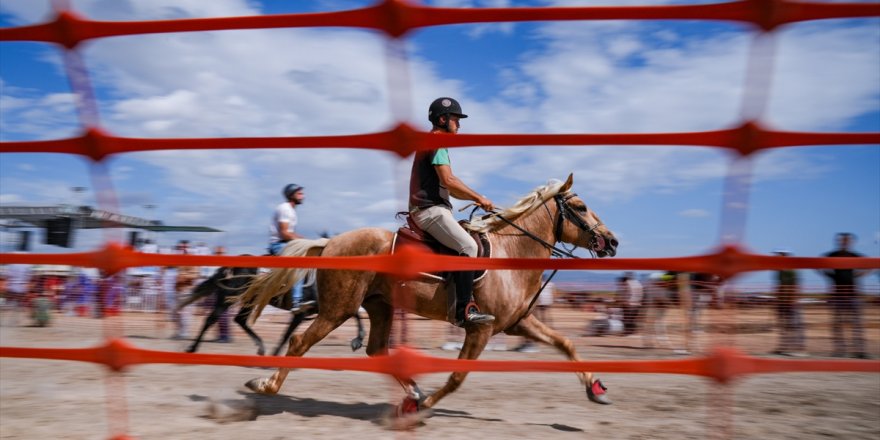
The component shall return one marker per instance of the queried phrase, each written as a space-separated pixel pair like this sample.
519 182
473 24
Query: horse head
579 225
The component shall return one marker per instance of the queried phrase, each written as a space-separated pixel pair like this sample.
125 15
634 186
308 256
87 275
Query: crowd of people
643 306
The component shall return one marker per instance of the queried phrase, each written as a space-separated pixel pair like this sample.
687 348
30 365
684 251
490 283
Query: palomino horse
530 229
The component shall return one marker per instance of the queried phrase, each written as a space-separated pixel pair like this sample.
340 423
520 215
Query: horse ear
568 182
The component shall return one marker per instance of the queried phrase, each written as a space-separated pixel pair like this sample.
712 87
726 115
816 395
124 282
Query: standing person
18 286
658 297
788 311
542 312
846 306
633 294
282 229
432 182
151 281
184 277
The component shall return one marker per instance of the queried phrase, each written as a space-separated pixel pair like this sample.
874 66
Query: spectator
41 309
846 306
632 294
18 282
178 281
658 298
542 312
788 312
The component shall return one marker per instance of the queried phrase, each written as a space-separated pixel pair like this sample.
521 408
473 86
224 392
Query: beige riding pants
439 222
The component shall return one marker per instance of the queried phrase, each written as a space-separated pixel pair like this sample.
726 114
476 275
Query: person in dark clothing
788 311
431 184
846 306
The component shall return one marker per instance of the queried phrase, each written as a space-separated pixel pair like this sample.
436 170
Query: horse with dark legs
227 283
549 215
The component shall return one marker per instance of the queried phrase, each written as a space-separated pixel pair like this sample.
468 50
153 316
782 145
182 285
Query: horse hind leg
530 327
299 345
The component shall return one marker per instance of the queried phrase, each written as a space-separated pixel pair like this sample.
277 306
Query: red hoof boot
407 407
596 392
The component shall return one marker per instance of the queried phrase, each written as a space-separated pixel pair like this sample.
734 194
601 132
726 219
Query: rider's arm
459 189
284 233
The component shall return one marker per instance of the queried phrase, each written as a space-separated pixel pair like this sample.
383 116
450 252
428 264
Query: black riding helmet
290 190
444 106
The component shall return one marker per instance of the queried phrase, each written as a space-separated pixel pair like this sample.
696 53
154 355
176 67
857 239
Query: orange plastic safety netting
396 18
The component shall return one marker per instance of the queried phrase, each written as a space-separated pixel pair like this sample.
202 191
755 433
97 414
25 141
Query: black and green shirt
425 189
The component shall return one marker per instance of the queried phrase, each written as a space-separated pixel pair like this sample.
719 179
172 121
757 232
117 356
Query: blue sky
576 77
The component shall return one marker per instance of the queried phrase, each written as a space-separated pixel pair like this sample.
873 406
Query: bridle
564 212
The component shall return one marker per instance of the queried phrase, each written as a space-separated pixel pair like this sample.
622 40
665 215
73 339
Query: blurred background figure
846 306
658 297
631 294
542 312
788 312
18 282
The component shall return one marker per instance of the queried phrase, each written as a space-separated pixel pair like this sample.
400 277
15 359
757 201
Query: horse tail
279 281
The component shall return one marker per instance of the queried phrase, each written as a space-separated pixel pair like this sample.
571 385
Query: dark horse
548 215
228 282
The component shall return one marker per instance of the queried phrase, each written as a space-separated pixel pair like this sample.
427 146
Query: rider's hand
485 203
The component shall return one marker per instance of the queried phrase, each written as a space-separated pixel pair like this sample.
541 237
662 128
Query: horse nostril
613 242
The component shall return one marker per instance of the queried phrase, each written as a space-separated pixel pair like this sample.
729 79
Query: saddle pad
406 235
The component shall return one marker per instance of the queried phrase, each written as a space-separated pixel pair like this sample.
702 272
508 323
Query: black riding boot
466 310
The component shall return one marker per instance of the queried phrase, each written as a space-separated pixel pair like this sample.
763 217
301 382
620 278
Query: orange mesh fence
396 18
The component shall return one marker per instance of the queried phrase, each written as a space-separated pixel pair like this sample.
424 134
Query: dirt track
54 399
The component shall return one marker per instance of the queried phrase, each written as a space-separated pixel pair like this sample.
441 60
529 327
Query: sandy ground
55 399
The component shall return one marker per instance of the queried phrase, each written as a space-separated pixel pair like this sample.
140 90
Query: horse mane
522 207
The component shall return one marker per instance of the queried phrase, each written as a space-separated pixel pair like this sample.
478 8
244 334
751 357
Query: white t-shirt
17 278
635 292
283 213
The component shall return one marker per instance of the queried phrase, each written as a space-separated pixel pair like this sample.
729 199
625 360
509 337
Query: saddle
411 234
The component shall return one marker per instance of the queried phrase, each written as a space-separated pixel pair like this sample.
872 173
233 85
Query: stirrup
472 315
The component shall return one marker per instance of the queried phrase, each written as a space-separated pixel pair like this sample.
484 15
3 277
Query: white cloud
695 213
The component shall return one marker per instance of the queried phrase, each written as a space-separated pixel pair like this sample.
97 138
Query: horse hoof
190 349
261 351
258 385
596 392
356 343
407 415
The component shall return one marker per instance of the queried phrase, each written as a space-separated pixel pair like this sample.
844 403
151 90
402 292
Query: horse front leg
209 321
536 330
241 318
474 342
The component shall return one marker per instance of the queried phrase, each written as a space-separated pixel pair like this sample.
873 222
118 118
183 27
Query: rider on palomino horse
431 184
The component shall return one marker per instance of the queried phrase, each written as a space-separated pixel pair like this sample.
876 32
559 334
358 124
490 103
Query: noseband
566 212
